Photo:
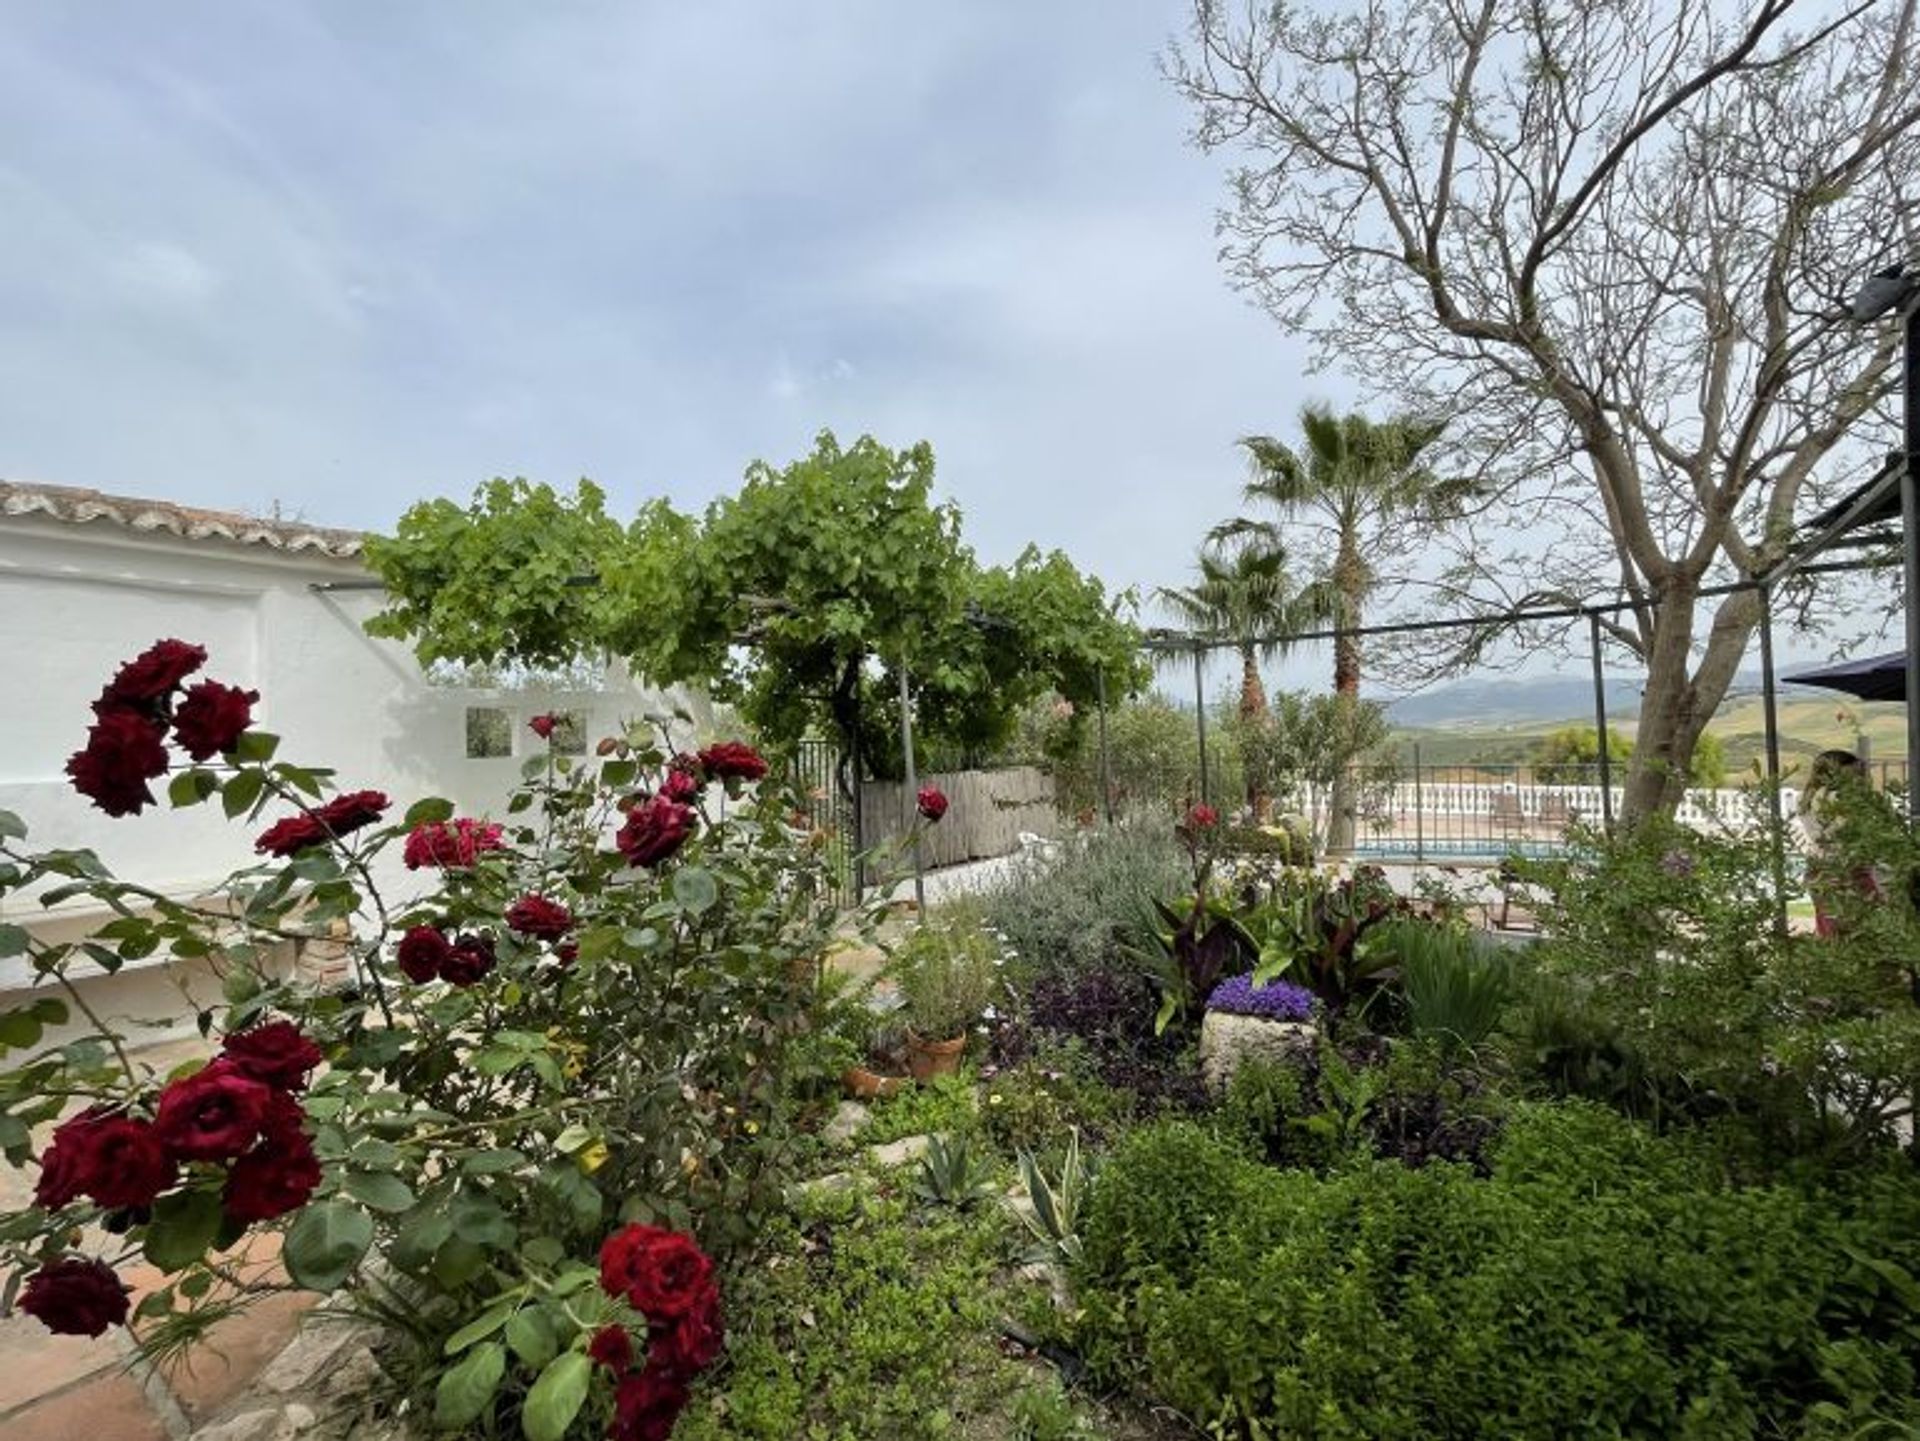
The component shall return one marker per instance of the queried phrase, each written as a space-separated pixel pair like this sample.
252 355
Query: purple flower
1677 863
1275 1001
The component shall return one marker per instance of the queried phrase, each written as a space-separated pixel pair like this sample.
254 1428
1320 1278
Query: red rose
454 844
662 1274
567 952
655 829
212 1115
115 1159
1202 817
932 802
470 958
542 725
338 817
646 1405
690 1343
211 717
279 1174
733 760
611 1347
275 1053
124 751
540 917
154 673
423 953
75 1297
680 786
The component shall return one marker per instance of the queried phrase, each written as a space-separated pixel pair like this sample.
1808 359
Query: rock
1228 1041
282 1425
900 1152
848 1121
1045 1273
312 1357
820 1186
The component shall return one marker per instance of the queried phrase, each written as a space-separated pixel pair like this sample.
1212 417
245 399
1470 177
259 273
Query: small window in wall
569 732
489 732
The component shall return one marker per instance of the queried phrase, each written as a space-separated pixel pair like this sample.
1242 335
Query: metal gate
816 776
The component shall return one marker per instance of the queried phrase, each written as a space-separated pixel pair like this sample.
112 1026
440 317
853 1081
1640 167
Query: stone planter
1227 1041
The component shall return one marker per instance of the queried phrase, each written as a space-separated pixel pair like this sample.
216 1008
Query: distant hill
1511 701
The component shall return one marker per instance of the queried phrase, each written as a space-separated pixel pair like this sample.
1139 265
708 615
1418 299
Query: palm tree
1353 477
1244 595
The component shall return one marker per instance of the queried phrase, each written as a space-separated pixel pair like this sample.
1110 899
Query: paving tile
235 1352
108 1408
37 1361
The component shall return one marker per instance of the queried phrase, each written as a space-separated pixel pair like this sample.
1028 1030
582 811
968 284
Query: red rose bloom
611 1347
153 674
423 953
567 952
1202 817
338 817
211 717
115 1159
124 751
662 1274
655 829
690 1343
470 958
932 802
733 760
452 845
646 1405
213 1115
279 1174
75 1297
542 725
537 916
680 786
276 1054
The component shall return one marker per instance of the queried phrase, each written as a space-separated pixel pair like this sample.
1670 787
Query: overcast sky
346 255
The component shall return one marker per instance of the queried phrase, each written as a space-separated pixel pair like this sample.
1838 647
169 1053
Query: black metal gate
817 777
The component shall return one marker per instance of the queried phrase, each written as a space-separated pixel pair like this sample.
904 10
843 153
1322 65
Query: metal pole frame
1419 812
909 799
1600 721
1770 718
1910 535
1106 775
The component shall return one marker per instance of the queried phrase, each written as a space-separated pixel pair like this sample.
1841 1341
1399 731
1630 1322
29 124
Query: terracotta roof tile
78 507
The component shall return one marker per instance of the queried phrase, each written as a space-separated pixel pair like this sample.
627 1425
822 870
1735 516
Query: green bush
1077 912
946 972
1456 987
1604 1282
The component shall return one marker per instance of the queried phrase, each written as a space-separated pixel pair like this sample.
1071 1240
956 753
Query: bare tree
1613 239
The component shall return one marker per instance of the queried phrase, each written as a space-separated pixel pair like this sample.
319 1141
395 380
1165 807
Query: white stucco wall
77 600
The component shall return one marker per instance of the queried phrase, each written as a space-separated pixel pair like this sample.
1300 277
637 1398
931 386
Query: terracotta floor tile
34 1361
235 1352
109 1408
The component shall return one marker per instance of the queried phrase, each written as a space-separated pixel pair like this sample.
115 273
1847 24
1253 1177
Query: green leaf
618 773
189 788
20 1029
242 791
481 1326
13 941
325 1243
380 1190
12 828
556 1397
182 1228
428 811
695 889
465 1391
530 1336
256 746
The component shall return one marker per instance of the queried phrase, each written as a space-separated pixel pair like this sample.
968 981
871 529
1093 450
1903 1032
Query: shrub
563 1050
1604 1281
1111 1012
1077 911
1456 987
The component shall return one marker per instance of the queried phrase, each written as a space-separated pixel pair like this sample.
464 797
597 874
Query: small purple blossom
1275 1001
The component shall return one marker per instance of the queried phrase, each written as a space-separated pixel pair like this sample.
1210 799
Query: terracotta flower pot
927 1059
864 1085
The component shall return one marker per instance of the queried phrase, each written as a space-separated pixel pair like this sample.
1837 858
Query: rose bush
564 1061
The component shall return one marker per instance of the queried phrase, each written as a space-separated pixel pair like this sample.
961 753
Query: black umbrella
1879 677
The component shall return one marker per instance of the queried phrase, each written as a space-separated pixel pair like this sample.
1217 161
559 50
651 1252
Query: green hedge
1604 1282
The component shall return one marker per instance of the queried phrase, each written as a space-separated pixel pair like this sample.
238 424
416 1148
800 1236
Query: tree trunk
1341 826
1680 699
1253 695
1253 709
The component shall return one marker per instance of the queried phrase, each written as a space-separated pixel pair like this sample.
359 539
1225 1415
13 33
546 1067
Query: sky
338 257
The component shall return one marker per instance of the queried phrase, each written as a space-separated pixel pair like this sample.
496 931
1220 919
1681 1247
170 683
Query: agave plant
950 1174
1053 1215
